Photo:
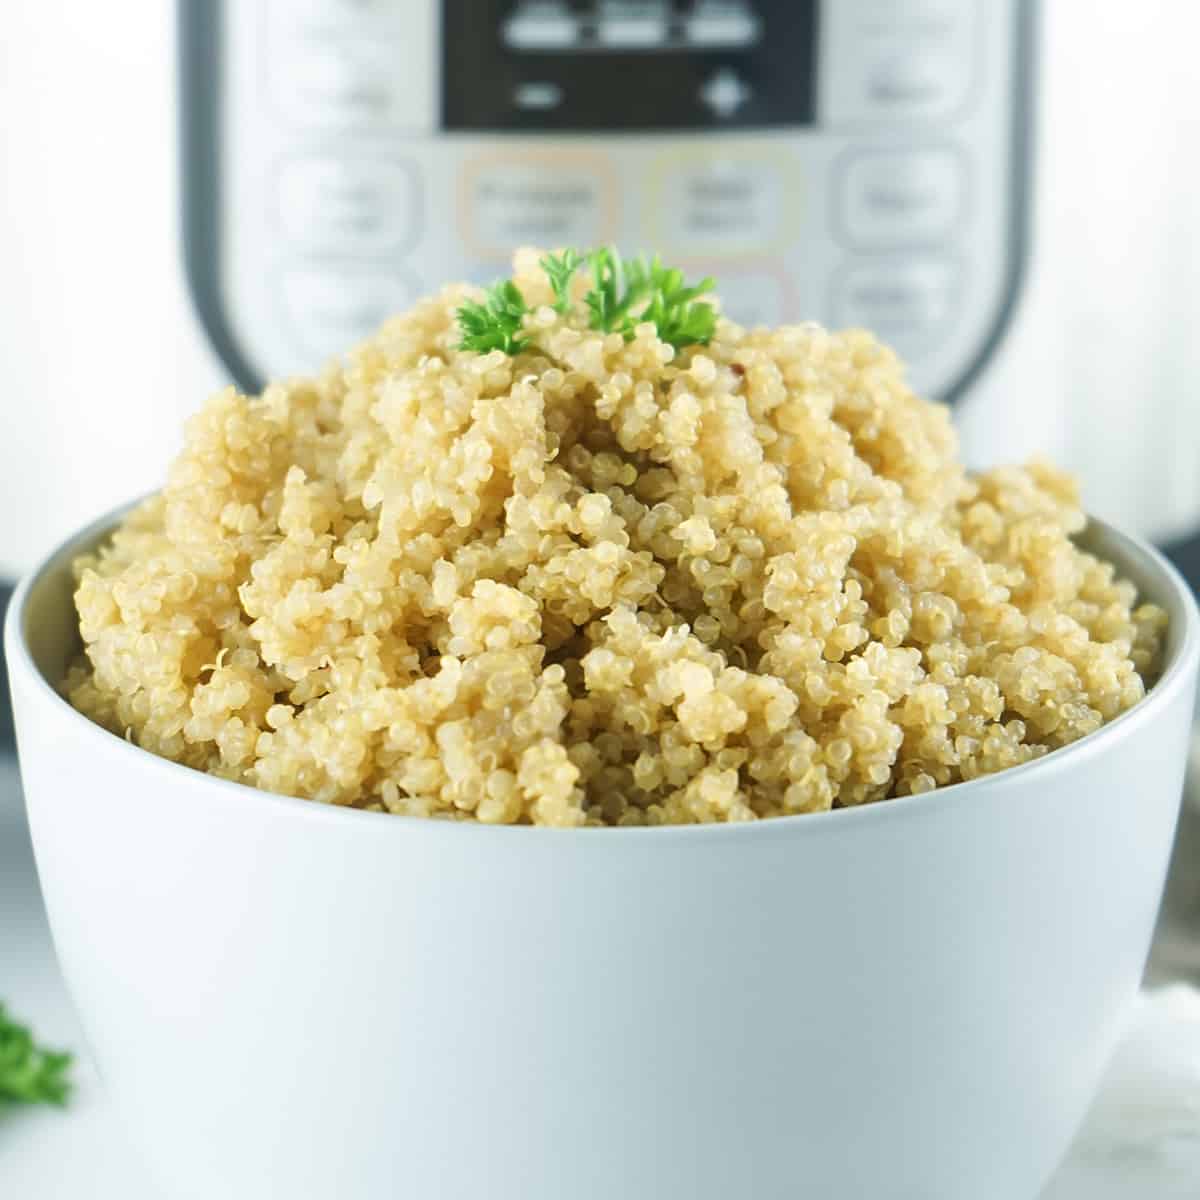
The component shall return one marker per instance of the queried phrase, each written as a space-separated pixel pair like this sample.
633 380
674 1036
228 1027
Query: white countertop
45 1154
1141 1143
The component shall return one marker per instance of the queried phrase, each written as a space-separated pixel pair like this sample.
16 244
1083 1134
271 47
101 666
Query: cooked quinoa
602 582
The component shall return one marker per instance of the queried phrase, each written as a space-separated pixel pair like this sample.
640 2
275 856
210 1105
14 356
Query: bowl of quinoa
605 764
601 581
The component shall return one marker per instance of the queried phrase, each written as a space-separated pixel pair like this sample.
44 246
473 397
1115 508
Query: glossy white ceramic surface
914 999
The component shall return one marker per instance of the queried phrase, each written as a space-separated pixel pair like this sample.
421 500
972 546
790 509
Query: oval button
714 204
890 199
552 200
354 83
340 16
909 303
897 60
330 307
347 205
755 296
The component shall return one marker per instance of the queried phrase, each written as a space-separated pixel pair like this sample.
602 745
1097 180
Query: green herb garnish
615 289
621 296
680 317
30 1074
559 269
496 323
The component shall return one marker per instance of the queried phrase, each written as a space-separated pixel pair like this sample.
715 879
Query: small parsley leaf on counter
30 1074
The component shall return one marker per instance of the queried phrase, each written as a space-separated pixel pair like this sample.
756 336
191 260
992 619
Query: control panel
856 162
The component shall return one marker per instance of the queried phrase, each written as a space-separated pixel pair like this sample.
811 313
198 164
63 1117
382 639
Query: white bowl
912 999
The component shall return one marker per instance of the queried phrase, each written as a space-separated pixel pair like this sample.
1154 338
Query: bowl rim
1167 586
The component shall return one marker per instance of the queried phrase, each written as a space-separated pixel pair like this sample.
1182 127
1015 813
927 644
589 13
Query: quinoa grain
603 582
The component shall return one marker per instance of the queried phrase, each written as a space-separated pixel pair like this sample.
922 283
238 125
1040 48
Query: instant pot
858 162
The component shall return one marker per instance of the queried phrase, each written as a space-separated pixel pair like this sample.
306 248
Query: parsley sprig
673 306
621 295
30 1074
560 268
624 294
496 323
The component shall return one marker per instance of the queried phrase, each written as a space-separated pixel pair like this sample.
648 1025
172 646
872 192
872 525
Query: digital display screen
628 64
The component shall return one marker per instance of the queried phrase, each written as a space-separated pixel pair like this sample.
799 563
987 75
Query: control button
922 82
331 83
753 297
537 95
732 205
725 92
908 303
549 201
889 199
351 206
541 25
632 24
338 16
722 25
331 307
911 60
